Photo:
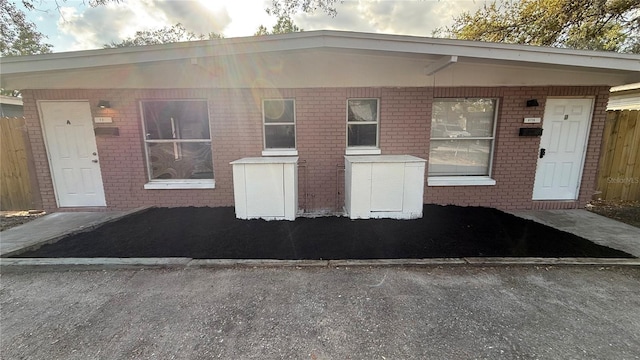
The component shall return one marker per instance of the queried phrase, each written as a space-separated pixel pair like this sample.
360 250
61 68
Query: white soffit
314 68
428 49
440 64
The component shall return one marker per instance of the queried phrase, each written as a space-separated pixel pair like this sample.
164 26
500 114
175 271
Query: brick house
160 125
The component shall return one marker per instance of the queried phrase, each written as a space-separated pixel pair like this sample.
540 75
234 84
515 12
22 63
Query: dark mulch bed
215 233
13 218
625 211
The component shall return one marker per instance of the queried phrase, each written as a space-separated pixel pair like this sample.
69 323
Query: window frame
159 184
363 149
466 180
279 151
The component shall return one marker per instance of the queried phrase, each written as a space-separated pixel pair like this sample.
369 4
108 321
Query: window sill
362 151
180 184
460 181
280 152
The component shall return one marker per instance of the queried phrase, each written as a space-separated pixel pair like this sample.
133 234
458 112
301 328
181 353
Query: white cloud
73 23
409 17
80 27
194 15
247 16
94 27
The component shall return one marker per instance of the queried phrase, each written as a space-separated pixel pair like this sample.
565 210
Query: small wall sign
102 120
532 120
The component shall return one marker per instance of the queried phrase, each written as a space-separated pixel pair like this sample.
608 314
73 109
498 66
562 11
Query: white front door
73 154
562 149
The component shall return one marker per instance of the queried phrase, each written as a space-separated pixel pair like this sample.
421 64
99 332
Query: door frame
583 157
48 151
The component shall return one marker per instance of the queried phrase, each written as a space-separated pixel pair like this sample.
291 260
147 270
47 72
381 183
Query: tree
165 35
610 25
19 36
31 4
287 8
283 25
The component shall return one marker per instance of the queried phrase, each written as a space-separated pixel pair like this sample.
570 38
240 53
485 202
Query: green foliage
287 8
609 25
32 4
168 34
283 25
9 92
262 30
19 36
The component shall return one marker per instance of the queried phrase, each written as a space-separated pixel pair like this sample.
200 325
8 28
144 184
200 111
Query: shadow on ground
215 233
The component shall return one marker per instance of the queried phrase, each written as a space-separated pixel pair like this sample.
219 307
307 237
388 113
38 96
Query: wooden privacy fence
619 174
15 182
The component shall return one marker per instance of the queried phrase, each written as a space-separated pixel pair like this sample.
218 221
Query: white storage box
384 186
266 188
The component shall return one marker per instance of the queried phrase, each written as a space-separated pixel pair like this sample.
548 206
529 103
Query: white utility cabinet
266 188
384 186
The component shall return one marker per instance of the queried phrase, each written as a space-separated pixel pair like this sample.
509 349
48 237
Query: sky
77 26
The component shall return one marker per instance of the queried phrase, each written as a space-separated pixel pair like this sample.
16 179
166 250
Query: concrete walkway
53 227
599 229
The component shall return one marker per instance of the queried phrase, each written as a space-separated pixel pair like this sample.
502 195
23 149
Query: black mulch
215 233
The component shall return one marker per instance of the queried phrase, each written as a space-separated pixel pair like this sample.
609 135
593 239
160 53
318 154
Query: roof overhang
625 97
626 88
430 54
10 100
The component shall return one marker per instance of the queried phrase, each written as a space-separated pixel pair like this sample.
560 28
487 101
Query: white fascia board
322 39
10 100
627 87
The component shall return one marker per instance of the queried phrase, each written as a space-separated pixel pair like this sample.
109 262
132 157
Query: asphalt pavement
386 312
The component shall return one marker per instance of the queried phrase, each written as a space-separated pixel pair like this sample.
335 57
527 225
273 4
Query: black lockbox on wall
530 132
106 130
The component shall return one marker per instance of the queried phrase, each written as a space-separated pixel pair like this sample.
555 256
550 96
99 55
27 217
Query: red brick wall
236 127
515 158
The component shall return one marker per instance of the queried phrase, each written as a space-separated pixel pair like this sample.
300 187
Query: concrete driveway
453 312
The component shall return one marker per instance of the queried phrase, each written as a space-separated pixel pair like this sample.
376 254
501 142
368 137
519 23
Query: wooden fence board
619 172
634 163
15 182
620 155
607 147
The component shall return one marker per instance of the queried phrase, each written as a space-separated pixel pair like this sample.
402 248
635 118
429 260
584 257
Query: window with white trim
362 123
177 143
279 119
462 137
